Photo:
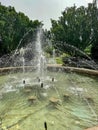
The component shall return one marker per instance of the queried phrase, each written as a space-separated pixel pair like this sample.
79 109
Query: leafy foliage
13 26
77 27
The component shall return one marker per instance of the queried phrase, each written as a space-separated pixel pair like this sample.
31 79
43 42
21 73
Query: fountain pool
65 101
34 98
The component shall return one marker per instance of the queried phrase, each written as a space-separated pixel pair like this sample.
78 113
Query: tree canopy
13 26
77 27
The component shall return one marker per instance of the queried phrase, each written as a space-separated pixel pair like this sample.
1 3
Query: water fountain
33 98
40 58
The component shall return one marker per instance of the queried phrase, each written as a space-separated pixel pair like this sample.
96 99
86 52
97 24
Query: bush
59 60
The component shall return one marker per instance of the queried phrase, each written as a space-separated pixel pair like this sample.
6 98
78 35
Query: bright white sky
43 10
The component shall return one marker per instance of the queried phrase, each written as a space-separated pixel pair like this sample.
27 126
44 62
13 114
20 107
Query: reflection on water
70 101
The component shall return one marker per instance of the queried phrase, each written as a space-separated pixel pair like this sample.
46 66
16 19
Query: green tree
13 26
77 27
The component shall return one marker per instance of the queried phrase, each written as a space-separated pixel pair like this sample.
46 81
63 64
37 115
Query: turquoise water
77 112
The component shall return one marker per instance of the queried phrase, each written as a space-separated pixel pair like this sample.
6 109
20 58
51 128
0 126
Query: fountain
33 94
40 58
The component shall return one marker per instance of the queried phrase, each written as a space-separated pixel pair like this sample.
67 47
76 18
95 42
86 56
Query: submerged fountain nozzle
42 85
38 79
45 125
24 81
52 79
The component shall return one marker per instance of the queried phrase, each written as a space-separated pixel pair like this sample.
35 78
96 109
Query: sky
43 10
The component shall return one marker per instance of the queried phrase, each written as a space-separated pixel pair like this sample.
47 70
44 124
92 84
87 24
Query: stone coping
54 67
75 69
